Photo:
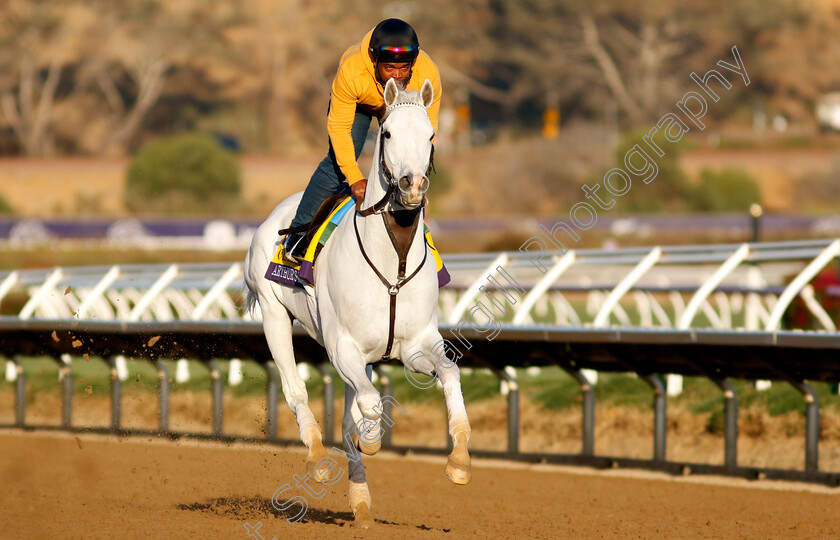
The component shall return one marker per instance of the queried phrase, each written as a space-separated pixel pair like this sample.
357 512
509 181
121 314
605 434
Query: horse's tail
250 300
249 290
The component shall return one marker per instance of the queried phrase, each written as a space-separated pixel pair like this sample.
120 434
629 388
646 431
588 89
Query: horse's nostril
405 183
424 184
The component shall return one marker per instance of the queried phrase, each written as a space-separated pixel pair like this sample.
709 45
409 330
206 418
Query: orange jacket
356 84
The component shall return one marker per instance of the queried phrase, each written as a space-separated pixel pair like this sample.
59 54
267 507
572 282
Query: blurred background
120 116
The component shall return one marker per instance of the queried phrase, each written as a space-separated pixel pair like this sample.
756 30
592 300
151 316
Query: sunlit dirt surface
63 485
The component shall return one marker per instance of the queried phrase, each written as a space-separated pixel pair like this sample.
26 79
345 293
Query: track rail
792 357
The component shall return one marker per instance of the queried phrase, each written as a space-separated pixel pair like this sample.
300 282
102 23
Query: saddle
327 207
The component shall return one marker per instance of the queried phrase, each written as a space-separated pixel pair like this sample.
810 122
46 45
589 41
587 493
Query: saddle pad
443 275
284 271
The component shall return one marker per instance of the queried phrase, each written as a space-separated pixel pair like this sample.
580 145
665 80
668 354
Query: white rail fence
730 286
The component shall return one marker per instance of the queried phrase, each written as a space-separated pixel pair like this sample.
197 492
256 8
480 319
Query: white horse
369 301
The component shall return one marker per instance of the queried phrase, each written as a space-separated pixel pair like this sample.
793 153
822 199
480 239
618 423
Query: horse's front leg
430 359
360 501
352 366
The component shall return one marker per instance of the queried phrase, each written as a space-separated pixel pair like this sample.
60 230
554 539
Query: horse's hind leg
277 325
359 492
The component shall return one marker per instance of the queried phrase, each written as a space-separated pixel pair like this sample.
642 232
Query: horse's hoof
364 519
457 473
320 474
370 449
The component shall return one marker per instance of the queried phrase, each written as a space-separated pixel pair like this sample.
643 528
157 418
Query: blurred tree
90 71
37 42
793 49
141 46
729 190
88 76
184 173
626 51
288 53
669 191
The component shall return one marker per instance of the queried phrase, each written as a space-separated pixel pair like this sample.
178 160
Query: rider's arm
345 95
430 71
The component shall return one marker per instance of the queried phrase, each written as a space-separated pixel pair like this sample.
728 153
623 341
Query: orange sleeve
345 96
434 109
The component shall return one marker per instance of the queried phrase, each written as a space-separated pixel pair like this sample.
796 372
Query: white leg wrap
308 425
359 493
458 421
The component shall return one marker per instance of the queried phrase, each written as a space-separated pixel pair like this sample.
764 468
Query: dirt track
57 485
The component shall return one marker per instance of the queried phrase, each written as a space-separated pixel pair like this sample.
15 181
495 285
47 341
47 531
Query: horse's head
406 142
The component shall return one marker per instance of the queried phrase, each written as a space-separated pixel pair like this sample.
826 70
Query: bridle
389 219
393 183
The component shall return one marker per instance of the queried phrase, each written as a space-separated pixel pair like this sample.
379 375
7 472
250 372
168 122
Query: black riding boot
296 246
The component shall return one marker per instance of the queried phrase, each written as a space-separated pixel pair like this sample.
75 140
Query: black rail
793 357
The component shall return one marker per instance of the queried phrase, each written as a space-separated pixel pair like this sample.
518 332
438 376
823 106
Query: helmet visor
406 53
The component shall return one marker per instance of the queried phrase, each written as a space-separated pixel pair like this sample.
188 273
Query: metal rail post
271 398
67 391
588 409
116 395
163 376
329 407
659 416
812 425
20 393
508 375
387 406
730 423
218 388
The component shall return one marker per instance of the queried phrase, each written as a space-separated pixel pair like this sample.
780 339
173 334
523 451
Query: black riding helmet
394 40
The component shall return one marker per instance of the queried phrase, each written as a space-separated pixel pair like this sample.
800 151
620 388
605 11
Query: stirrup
290 252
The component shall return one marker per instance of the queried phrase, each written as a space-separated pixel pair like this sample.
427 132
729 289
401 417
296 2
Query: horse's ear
391 92
427 93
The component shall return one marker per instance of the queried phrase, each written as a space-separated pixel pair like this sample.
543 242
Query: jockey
389 51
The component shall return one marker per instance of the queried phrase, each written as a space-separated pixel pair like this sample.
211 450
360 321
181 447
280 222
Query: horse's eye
386 134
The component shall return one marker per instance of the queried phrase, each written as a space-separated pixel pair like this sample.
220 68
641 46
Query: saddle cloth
287 272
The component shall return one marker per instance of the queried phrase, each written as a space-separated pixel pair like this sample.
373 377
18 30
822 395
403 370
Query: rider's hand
358 190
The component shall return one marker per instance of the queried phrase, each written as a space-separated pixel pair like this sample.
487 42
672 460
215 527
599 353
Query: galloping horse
376 297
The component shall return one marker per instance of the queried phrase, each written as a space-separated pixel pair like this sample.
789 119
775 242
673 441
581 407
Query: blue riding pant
328 178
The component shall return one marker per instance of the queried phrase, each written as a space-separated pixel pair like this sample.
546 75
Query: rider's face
393 70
